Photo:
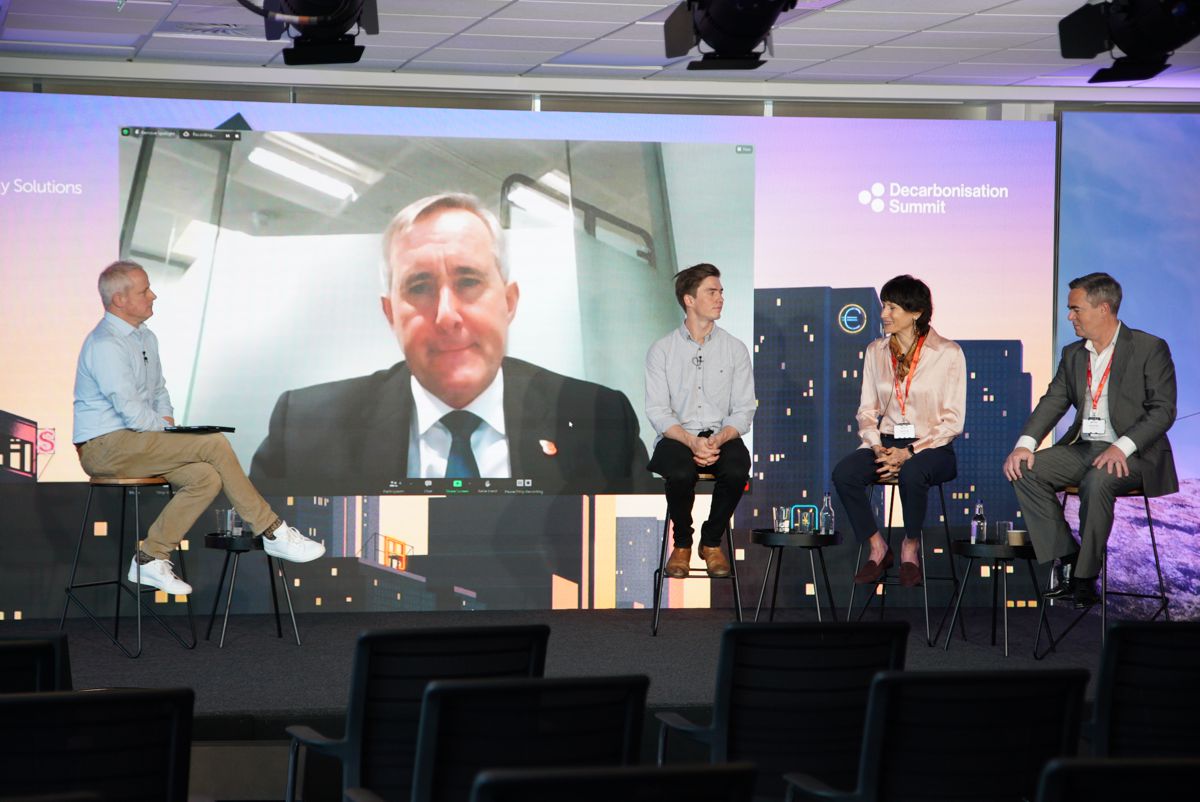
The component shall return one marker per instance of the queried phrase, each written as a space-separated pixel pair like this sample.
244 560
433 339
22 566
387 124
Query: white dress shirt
429 439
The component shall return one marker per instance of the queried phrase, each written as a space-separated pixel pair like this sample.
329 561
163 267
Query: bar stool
697 573
1162 598
235 546
887 580
123 484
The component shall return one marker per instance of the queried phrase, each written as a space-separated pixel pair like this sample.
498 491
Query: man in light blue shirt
121 410
700 400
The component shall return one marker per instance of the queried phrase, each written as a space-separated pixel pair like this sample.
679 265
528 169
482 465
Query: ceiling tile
925 6
548 28
884 21
1003 23
938 55
577 12
822 36
45 22
983 41
458 56
530 43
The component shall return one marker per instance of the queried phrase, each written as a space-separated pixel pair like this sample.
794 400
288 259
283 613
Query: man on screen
700 399
457 407
121 409
1121 382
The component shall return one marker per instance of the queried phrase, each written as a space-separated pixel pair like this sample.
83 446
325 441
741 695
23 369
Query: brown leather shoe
871 571
715 561
679 563
910 575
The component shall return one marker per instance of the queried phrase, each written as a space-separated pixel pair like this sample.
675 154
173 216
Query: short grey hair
1100 288
418 210
115 278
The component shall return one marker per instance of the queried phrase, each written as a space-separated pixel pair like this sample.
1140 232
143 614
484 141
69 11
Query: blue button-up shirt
708 385
119 381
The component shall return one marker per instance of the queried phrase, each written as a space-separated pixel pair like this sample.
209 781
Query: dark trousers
1053 469
672 461
854 478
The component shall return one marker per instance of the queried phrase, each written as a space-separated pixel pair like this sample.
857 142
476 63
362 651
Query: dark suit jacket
351 437
1141 402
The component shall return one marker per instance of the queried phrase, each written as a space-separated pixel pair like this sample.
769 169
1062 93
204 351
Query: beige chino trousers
198 466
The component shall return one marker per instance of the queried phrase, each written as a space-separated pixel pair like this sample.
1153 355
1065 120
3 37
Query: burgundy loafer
871 571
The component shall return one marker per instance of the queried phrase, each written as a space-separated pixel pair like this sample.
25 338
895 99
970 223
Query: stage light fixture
732 28
1147 32
319 29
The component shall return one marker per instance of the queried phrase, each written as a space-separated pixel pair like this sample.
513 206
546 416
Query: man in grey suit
1121 382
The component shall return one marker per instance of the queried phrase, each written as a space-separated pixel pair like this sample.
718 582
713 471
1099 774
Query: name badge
1093 425
905 431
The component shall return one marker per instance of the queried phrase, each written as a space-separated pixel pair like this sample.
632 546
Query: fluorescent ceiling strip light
644 68
319 153
301 174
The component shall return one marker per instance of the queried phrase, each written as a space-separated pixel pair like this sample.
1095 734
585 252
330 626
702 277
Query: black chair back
468 726
391 671
729 783
129 745
1148 691
969 735
1119 779
793 697
30 665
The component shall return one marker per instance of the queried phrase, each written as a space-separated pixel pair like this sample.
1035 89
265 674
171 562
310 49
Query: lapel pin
548 447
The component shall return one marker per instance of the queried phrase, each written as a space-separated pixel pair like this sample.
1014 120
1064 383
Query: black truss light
320 29
1147 32
732 28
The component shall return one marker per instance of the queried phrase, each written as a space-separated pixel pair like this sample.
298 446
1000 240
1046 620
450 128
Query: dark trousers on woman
672 461
854 477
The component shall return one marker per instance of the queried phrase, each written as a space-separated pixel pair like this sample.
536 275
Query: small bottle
826 519
978 524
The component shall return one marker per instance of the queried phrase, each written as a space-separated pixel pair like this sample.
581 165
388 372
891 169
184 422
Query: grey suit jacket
1141 402
351 437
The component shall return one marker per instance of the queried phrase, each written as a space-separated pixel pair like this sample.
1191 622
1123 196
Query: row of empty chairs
442 714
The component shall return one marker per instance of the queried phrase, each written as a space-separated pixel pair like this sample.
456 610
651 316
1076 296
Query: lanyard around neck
911 370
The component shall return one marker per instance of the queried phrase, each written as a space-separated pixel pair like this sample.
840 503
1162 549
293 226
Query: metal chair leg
1165 607
659 575
287 594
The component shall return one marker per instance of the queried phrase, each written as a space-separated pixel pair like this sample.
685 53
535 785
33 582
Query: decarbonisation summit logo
897 198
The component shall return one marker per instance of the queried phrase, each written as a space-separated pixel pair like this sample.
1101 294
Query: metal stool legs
660 572
1163 607
930 636
122 587
271 567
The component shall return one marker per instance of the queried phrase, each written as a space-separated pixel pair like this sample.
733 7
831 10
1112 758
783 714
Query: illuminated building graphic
18 457
808 351
638 540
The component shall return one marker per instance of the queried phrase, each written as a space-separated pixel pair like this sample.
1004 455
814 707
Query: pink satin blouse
937 404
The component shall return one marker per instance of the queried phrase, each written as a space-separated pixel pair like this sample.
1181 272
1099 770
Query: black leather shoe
1085 594
1063 588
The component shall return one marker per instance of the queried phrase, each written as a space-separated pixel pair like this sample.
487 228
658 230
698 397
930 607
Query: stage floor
259 680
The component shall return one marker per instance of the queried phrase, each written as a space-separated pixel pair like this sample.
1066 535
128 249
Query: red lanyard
1103 379
911 370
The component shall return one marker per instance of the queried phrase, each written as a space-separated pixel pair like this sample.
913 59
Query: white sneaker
159 574
288 544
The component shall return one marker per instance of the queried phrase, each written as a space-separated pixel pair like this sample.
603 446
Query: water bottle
978 524
826 519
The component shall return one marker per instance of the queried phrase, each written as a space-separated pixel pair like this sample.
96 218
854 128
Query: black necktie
460 463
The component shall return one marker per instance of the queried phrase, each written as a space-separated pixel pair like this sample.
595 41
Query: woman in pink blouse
914 400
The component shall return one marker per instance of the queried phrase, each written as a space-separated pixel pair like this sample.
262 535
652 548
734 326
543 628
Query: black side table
777 542
998 555
235 547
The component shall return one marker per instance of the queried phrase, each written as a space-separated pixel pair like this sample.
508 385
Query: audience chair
969 735
1162 607
390 671
1147 699
793 697
115 745
887 581
728 783
30 665
660 575
127 486
1119 779
468 726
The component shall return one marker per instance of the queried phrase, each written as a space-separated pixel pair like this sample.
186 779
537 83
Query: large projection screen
267 286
